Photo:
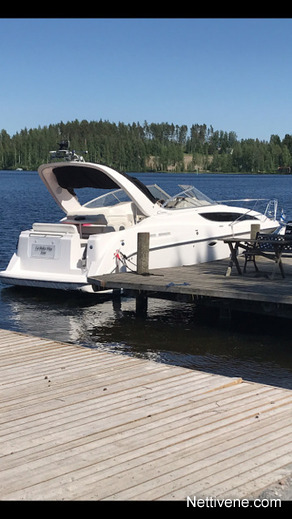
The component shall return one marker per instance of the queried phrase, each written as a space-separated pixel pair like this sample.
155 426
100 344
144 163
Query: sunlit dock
85 424
207 284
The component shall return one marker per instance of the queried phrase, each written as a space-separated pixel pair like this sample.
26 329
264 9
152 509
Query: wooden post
254 228
143 253
141 304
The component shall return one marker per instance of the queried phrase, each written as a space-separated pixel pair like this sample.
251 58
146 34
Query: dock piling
143 253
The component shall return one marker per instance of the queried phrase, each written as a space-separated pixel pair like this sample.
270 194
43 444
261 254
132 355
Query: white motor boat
100 236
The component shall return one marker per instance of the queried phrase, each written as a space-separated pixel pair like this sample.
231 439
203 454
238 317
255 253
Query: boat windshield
118 196
189 197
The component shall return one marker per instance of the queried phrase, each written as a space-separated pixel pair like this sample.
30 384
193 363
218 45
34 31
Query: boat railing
270 210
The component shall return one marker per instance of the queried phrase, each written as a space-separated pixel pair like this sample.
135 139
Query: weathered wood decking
81 424
254 292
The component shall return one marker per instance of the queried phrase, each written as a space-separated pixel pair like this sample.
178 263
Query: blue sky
231 74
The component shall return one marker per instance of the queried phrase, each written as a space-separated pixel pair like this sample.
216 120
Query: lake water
257 349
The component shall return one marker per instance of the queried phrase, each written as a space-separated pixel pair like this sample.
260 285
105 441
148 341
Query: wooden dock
207 284
83 424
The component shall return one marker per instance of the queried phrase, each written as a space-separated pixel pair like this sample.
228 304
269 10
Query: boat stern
48 255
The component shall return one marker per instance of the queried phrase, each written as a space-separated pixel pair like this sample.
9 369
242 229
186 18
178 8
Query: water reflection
255 349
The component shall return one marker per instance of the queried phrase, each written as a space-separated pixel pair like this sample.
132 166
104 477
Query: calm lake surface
257 349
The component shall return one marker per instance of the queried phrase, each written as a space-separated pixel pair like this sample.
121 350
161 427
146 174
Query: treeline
148 147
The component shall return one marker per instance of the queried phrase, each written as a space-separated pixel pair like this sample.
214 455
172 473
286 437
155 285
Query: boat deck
84 424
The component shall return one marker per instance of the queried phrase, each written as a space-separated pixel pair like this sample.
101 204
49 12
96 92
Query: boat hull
100 236
58 261
39 283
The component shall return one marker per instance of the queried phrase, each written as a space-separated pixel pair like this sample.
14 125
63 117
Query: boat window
227 217
118 196
158 193
108 199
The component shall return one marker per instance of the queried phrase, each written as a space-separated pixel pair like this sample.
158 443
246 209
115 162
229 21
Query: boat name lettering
39 250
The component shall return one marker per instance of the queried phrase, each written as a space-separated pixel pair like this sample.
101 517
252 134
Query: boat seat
54 228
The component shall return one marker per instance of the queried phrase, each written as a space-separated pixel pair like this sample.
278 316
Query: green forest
148 147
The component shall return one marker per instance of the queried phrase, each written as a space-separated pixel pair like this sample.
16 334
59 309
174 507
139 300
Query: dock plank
84 424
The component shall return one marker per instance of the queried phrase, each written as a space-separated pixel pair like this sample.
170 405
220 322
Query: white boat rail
270 211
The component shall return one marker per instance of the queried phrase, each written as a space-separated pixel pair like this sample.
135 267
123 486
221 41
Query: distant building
286 170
